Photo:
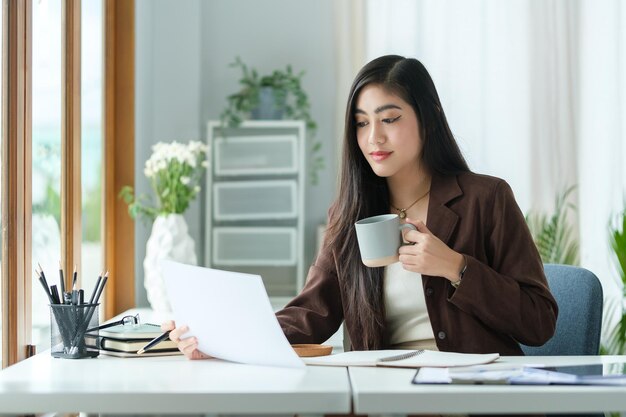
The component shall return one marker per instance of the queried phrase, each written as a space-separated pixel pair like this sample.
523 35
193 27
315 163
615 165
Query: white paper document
229 313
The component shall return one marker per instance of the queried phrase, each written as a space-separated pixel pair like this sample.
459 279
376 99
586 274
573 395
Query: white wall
183 49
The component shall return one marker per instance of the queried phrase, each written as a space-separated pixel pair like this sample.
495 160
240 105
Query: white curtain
349 23
602 140
535 92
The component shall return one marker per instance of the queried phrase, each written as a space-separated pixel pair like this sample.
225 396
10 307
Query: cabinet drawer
247 155
269 246
254 200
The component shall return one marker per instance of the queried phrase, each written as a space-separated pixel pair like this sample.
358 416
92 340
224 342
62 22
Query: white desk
389 391
174 385
161 385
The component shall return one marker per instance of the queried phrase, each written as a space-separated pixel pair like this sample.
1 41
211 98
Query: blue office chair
578 294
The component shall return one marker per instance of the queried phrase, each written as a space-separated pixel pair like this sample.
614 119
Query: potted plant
278 95
175 171
617 238
553 235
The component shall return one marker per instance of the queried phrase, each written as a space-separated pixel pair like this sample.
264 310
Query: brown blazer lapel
441 220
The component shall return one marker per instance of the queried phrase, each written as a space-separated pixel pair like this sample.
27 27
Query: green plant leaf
553 235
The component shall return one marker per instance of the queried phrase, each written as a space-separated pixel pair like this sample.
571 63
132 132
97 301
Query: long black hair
362 193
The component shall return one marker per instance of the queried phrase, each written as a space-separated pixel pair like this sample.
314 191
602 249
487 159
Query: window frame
16 178
119 153
118 161
71 211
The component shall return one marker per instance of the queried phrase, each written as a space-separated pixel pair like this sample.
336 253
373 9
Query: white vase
169 239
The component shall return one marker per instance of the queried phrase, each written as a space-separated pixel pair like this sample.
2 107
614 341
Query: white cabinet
255 202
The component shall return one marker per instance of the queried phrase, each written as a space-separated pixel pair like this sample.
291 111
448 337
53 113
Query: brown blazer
503 299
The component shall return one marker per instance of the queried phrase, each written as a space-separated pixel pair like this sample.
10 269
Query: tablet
591 374
606 369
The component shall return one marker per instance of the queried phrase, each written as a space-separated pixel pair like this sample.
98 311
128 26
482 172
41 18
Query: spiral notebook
403 358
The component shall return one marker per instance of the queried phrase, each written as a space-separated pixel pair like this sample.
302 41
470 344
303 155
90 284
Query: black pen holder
68 324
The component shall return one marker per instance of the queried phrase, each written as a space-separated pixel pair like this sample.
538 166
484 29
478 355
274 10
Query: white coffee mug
380 238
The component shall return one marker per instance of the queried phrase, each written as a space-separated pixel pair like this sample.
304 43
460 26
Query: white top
405 309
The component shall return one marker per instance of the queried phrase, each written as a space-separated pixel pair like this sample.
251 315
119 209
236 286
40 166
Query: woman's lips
379 155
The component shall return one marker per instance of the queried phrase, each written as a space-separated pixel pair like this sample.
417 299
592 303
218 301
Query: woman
472 280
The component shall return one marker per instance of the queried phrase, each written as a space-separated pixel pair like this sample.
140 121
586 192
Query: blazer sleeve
316 313
510 294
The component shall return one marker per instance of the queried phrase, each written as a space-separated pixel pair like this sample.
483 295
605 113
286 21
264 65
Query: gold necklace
402 212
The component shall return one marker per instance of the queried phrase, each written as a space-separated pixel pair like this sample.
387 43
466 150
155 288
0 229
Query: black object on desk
68 324
154 342
70 317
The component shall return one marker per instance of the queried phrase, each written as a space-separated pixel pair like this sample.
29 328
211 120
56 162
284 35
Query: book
124 345
155 352
125 340
402 358
135 331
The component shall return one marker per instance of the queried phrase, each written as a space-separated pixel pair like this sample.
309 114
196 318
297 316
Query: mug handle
406 226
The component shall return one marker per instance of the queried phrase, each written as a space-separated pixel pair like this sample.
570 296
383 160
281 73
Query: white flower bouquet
175 171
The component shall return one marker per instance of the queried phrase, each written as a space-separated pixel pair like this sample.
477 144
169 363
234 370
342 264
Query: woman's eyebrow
380 109
387 107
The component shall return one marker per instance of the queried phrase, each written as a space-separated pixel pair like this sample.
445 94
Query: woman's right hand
187 345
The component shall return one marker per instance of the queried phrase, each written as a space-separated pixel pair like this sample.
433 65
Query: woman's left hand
429 255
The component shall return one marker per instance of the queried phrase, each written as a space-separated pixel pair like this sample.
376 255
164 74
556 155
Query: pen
55 294
75 275
62 280
154 342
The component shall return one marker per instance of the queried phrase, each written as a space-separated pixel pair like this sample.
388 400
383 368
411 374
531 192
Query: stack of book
125 340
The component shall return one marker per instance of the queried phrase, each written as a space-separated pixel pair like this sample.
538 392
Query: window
46 160
47 148
54 95
91 141
1 139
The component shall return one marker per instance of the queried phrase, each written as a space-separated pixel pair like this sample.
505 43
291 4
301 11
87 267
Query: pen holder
68 325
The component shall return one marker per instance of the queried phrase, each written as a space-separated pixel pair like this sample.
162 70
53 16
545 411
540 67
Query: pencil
102 284
154 342
46 289
95 289
42 274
